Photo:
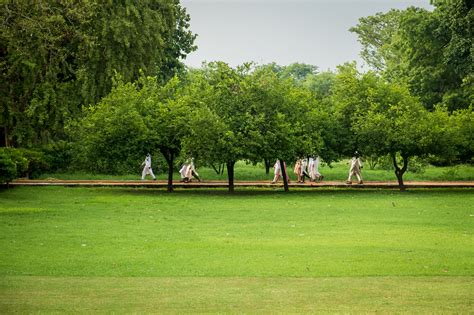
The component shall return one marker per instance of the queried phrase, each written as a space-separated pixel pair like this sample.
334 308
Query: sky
315 32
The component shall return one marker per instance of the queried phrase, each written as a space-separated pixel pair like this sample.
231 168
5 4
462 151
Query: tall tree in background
432 52
58 55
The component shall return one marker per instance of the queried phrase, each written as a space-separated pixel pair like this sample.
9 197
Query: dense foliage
432 52
106 83
58 55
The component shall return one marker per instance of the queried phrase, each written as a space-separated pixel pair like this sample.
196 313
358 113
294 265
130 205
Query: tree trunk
222 168
283 173
169 157
267 166
218 171
400 171
230 175
3 140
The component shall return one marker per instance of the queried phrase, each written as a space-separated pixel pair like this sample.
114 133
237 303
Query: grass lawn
337 172
144 250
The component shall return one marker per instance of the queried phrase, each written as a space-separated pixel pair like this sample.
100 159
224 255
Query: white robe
147 169
354 170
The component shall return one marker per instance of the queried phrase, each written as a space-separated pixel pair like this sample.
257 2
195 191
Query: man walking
147 169
355 168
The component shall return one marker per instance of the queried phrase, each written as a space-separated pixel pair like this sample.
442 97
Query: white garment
312 174
147 169
316 166
354 170
277 172
183 171
304 164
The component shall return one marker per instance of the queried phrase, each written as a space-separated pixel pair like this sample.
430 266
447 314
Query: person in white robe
355 169
147 167
182 172
277 171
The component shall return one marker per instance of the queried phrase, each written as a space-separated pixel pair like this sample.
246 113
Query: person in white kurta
304 165
191 171
182 172
311 169
317 174
147 169
277 171
355 167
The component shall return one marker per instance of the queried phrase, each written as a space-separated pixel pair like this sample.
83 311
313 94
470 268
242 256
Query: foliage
28 163
385 119
430 51
58 155
8 169
133 120
56 56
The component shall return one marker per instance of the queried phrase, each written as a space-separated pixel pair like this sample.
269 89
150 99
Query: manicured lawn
143 250
337 172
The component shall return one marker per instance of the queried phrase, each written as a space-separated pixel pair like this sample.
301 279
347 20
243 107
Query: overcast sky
282 31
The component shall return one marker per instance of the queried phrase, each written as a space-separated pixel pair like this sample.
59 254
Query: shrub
8 169
58 155
28 163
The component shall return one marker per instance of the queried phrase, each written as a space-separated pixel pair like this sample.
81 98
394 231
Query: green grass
145 250
338 172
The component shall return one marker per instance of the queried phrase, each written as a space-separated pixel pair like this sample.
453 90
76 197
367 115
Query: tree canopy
56 56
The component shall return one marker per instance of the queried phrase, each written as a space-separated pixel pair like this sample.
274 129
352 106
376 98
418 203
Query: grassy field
143 250
337 172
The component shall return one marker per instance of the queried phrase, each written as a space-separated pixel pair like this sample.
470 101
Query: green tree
56 56
430 51
135 118
395 123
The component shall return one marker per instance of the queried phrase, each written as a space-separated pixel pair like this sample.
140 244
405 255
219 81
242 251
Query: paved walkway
223 184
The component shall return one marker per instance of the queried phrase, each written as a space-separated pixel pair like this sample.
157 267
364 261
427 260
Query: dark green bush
58 155
28 163
37 163
8 169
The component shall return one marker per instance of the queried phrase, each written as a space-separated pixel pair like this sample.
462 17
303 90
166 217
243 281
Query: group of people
187 171
308 168
304 168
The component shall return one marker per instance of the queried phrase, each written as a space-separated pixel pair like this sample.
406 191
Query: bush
37 163
8 169
20 161
28 163
58 155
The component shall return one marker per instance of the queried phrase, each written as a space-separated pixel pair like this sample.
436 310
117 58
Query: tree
395 123
135 118
375 35
251 114
219 89
166 115
56 56
431 52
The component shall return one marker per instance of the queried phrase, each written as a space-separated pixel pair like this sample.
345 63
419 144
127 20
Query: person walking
277 171
304 173
191 171
182 172
355 169
297 170
313 169
147 169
